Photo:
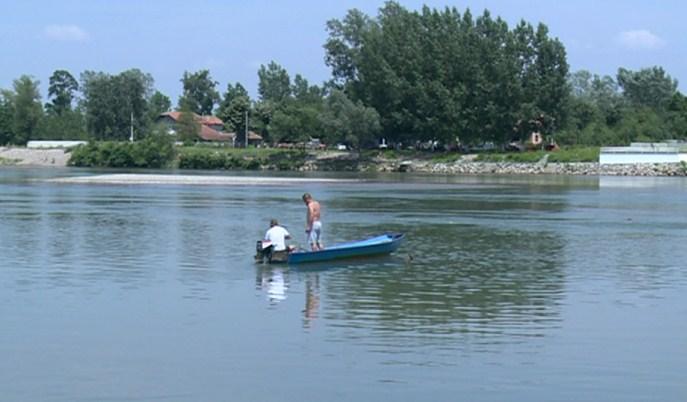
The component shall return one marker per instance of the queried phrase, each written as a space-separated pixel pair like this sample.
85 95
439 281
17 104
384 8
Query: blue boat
383 244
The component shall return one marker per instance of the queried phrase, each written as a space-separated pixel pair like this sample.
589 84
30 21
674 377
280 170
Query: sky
233 38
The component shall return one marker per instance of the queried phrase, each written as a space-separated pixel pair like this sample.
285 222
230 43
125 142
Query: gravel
34 157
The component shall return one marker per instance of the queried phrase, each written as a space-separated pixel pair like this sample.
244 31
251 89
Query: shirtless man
313 226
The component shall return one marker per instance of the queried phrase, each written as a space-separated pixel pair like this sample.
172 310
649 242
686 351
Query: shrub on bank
152 152
209 158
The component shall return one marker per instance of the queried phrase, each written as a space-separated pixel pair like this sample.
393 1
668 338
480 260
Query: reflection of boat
383 244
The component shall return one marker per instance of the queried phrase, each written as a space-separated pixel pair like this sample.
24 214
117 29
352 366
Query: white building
645 152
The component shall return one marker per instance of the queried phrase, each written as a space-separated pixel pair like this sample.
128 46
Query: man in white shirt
277 235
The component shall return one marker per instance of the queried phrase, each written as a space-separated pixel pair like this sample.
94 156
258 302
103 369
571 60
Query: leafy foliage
441 75
187 127
200 157
649 87
200 95
349 123
6 117
233 108
68 125
636 106
157 104
62 88
155 151
28 110
111 100
274 83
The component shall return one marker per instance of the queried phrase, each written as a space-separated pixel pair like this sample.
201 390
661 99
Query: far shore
17 156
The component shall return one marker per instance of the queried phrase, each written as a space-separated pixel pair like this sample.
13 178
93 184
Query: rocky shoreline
345 161
581 169
467 166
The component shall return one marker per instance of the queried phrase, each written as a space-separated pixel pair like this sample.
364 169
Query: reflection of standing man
312 299
313 226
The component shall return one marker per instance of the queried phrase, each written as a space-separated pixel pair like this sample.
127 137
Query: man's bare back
313 213
313 226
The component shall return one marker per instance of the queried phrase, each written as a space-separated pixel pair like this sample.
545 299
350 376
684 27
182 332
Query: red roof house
211 127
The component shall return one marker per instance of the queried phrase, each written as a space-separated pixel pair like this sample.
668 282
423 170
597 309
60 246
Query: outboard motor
263 249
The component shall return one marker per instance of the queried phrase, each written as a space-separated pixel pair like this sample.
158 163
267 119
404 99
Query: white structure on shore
53 144
645 152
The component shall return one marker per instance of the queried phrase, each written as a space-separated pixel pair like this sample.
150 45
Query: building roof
206 133
209 134
252 136
205 120
211 120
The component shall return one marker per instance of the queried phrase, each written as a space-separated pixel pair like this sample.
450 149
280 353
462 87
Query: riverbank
509 168
468 165
354 162
33 157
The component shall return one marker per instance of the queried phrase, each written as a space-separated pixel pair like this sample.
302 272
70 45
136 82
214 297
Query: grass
250 152
446 157
7 162
389 154
566 155
211 157
569 155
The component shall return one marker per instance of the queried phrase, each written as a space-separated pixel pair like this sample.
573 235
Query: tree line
403 75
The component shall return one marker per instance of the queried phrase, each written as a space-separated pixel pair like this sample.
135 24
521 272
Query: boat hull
384 244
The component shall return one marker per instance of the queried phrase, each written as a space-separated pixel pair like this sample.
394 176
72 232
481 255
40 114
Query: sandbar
133 178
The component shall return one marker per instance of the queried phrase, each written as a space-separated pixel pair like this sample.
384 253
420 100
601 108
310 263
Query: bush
152 152
205 157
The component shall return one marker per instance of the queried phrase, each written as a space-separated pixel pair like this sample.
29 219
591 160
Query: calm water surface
522 289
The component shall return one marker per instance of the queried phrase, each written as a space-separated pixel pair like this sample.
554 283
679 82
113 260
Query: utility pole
246 128
131 135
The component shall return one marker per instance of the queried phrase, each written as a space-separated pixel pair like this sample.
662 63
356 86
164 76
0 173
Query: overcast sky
233 38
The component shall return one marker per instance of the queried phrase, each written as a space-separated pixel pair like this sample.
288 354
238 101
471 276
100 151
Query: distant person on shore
277 235
313 226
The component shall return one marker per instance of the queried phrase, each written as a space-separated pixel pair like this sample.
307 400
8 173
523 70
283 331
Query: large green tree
28 109
157 104
199 93
68 125
274 84
188 127
62 121
6 117
61 91
110 102
437 74
346 122
233 108
292 110
649 87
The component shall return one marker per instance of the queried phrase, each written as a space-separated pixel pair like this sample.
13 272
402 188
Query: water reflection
312 299
274 281
459 282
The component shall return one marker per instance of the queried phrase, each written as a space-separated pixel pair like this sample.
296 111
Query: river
524 288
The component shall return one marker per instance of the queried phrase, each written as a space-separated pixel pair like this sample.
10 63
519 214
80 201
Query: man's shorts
315 233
